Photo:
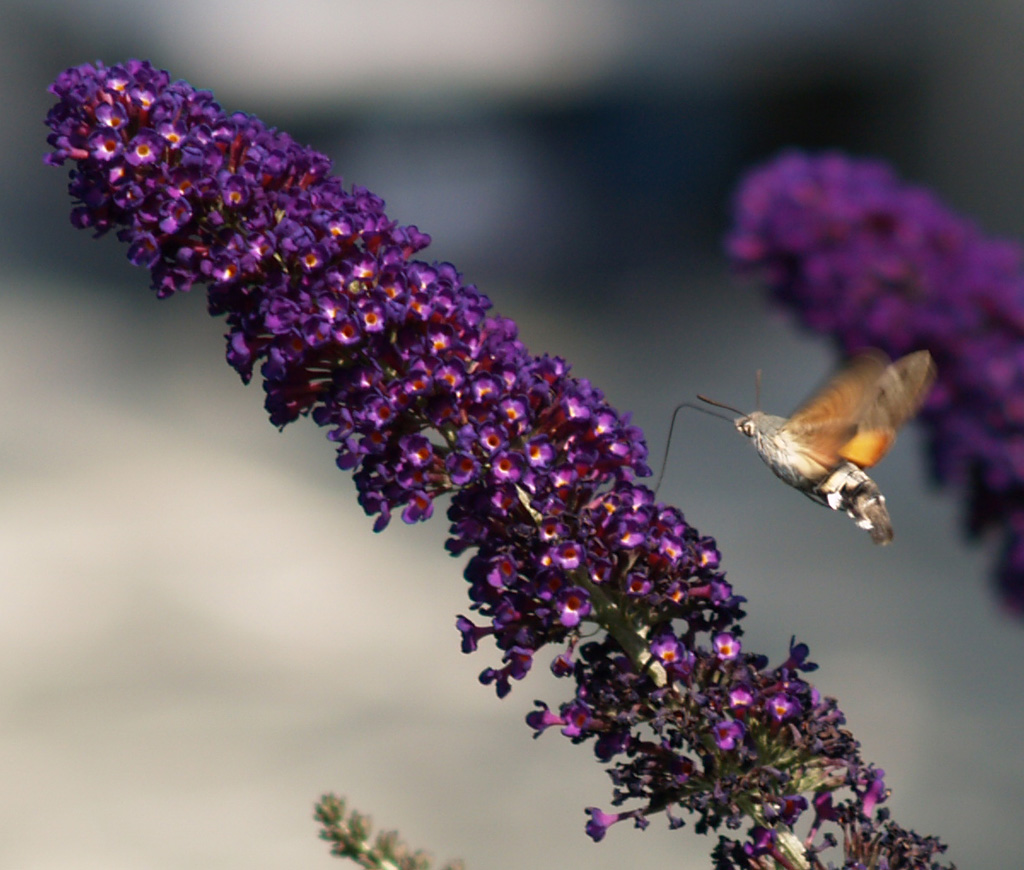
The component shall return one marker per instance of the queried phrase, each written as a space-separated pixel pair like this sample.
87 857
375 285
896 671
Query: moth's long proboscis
672 425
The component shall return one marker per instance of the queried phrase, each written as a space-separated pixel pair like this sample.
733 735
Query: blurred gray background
199 634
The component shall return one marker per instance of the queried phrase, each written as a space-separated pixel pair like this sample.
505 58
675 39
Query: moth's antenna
717 405
672 425
757 390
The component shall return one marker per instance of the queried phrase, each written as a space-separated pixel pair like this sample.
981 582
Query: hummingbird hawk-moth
845 427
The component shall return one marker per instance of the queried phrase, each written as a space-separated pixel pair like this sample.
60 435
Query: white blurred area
199 633
426 55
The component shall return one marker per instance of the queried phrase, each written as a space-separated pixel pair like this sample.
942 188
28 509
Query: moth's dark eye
746 427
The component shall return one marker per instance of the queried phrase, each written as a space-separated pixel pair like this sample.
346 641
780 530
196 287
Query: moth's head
747 425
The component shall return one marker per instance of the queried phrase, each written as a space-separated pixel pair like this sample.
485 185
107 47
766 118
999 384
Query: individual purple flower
540 452
782 707
707 554
419 506
789 808
762 842
726 646
144 250
824 811
601 821
797 661
568 555
876 262
514 411
174 214
507 466
471 633
577 719
501 571
551 529
638 585
727 733
111 115
418 450
667 648
462 468
874 791
542 718
427 393
145 148
631 533
491 438
105 145
573 605
740 700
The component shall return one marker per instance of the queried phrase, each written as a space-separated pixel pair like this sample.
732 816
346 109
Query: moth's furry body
781 450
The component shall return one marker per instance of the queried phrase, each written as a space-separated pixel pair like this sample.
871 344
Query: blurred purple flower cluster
426 393
876 262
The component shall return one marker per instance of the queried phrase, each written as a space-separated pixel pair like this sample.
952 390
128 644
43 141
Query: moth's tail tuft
849 489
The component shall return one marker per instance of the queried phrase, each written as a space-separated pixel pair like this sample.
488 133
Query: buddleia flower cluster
426 393
874 261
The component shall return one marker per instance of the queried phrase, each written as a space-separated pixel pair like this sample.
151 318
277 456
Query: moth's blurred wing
900 391
830 418
898 394
866 448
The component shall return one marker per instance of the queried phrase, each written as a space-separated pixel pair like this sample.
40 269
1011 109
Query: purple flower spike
875 262
427 393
